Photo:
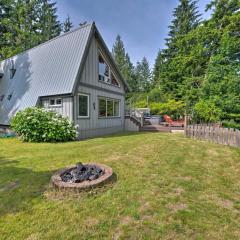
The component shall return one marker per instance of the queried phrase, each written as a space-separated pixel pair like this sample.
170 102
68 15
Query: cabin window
83 105
102 107
108 107
105 73
59 101
116 107
55 102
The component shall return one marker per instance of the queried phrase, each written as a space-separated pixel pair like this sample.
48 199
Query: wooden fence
214 134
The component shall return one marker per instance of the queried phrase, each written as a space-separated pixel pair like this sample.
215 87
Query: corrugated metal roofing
48 69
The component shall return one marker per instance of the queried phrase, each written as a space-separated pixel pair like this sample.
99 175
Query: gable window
83 105
108 107
114 81
55 102
105 73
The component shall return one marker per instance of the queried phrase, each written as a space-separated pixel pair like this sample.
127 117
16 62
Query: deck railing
136 114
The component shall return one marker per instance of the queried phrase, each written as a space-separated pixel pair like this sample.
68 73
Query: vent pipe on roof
12 70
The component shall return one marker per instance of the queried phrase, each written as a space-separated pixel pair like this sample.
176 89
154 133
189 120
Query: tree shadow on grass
19 187
4 161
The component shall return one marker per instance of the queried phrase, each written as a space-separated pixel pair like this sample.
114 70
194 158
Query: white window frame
119 107
88 109
55 102
110 72
114 100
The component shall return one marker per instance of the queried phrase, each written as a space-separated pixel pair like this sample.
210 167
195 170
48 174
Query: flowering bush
40 125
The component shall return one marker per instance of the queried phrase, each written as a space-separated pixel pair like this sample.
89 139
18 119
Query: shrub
233 117
207 111
40 125
171 107
231 124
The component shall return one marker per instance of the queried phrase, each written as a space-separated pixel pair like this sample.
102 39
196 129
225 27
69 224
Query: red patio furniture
171 122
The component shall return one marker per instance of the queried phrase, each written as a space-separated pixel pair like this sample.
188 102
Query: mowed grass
167 187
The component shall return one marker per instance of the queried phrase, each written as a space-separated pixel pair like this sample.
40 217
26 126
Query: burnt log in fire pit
82 176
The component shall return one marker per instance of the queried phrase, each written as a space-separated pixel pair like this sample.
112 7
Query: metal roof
48 69
52 68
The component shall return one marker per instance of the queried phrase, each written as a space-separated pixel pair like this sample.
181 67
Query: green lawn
167 187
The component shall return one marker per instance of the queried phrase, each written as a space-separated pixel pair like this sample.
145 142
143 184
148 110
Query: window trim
55 102
88 110
110 71
109 98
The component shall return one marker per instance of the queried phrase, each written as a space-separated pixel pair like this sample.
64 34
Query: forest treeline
198 71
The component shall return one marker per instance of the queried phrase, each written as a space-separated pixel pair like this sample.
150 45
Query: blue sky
142 24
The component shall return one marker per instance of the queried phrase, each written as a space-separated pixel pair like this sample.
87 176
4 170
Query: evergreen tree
21 26
50 26
128 73
119 54
186 18
123 62
222 80
168 72
67 25
25 24
6 28
143 75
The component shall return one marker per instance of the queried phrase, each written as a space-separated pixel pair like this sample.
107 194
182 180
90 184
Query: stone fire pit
82 176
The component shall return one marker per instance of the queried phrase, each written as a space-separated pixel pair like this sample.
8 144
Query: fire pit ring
58 182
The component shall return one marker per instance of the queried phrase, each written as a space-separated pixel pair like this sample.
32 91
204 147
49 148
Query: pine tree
222 80
50 26
19 19
143 75
186 18
128 73
119 54
25 24
67 25
168 73
222 9
6 28
123 62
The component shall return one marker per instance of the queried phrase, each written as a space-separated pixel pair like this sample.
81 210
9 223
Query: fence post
237 138
185 124
226 136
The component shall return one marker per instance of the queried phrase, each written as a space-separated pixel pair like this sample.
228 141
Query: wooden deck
160 128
